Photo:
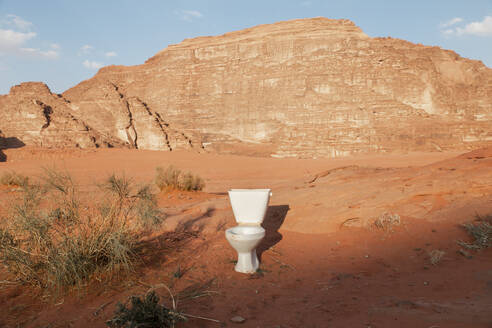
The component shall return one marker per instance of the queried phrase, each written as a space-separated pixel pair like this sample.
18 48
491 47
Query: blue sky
62 42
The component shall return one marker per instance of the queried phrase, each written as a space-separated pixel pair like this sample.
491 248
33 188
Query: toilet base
247 262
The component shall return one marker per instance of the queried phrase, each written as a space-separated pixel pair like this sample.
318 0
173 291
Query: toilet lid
249 205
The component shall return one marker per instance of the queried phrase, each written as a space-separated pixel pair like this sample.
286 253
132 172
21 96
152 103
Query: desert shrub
13 178
168 178
435 256
173 178
148 214
387 221
144 312
192 182
61 190
137 203
480 231
54 240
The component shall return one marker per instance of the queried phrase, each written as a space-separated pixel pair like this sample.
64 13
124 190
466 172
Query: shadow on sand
7 143
274 219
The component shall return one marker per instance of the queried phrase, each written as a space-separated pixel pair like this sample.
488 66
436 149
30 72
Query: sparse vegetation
51 239
197 290
387 221
480 231
13 178
136 204
145 312
173 178
178 273
435 256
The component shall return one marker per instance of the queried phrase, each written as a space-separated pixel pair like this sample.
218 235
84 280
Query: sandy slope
324 262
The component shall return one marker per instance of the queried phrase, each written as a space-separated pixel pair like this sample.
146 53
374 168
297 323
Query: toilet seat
246 232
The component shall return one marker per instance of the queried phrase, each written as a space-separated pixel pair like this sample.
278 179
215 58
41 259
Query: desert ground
324 261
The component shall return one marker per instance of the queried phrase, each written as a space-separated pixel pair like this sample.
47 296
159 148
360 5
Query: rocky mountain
30 114
306 88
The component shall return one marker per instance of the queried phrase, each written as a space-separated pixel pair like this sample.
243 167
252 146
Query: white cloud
21 24
479 28
188 15
193 13
92 64
14 40
11 40
451 22
50 54
85 49
306 3
483 28
110 54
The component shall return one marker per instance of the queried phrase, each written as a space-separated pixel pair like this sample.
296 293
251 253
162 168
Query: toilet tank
249 205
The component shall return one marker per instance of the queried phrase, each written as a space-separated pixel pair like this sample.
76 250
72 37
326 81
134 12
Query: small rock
238 319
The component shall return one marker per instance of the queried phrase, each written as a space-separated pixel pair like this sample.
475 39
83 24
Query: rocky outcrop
3 143
304 88
32 115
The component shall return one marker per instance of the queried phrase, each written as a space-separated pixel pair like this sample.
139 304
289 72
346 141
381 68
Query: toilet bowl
249 207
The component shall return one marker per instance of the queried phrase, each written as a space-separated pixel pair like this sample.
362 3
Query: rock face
305 88
30 114
109 108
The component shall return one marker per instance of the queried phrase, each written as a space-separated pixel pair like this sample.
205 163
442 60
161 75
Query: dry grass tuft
480 231
13 178
53 240
173 178
387 221
137 204
197 290
435 256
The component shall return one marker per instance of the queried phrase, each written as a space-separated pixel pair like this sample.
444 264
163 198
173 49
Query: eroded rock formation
30 114
306 88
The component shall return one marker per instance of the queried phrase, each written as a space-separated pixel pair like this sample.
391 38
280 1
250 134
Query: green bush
144 312
173 178
53 240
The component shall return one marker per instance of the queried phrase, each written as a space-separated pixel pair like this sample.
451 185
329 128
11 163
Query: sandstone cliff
30 114
305 88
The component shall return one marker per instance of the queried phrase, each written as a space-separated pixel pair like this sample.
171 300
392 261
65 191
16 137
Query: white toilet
249 207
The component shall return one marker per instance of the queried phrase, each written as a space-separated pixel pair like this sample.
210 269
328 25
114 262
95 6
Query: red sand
338 275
